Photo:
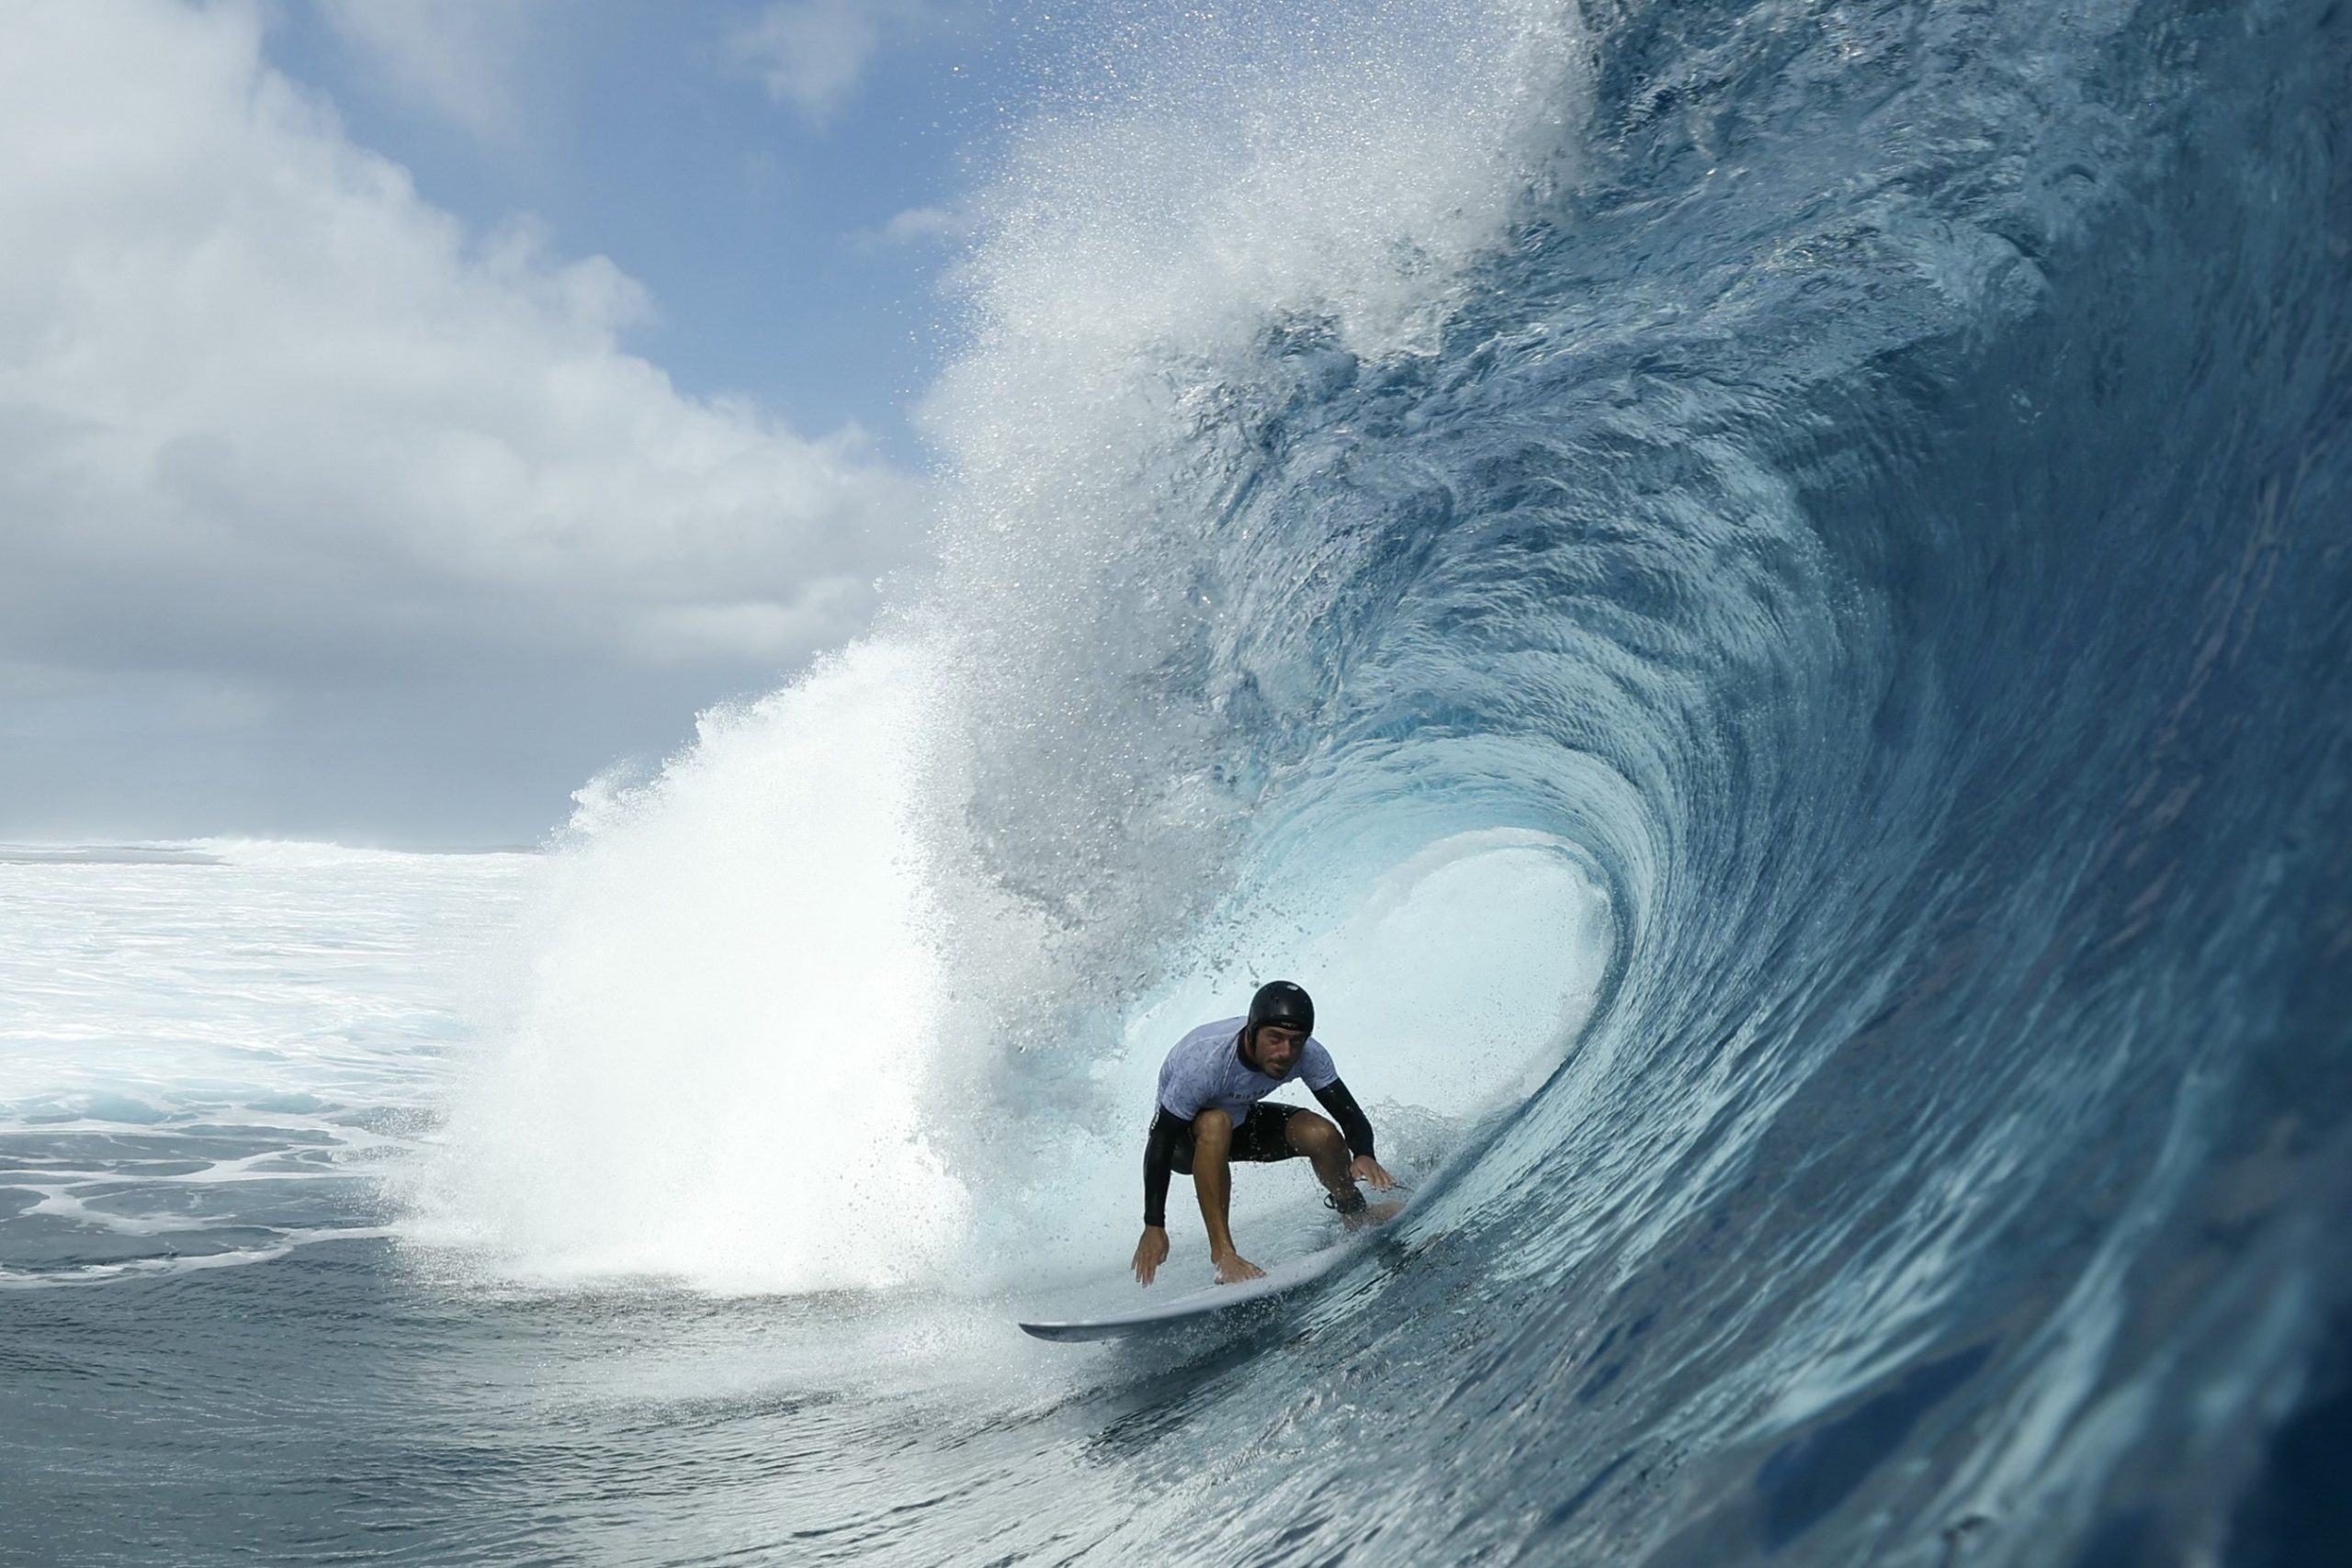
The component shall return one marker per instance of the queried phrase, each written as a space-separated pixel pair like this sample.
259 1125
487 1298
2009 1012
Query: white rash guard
1204 1071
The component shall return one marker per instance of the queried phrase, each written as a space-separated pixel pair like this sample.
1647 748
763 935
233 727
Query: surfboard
1215 1300
1205 1305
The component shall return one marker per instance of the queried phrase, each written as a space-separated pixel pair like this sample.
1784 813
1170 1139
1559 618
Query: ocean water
1756 597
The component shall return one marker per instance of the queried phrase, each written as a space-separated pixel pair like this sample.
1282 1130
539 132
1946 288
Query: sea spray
717 1072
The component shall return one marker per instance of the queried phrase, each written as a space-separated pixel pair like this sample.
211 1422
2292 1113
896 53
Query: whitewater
1756 597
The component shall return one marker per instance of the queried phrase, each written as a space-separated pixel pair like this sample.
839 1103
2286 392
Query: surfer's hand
1150 1253
1232 1268
1367 1168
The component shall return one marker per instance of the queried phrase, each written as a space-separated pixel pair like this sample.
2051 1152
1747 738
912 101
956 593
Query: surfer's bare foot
1373 1215
1232 1268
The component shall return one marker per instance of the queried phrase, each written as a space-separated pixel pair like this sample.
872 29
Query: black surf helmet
1284 1004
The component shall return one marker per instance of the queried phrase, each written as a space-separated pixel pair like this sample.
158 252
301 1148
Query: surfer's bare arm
1212 1180
1356 1127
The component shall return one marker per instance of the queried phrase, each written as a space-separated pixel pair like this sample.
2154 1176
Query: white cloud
813 54
917 225
455 58
265 412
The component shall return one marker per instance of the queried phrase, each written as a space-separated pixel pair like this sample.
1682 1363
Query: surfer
1209 1114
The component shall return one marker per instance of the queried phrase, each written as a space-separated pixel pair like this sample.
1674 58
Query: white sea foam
251 979
204 1048
716 1073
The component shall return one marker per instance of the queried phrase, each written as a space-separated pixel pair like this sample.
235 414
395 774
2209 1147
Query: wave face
1842 514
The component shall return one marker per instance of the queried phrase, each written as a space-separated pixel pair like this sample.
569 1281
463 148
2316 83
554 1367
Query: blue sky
761 223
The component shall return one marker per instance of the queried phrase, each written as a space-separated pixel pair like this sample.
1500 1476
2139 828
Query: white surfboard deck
1204 1304
1211 1301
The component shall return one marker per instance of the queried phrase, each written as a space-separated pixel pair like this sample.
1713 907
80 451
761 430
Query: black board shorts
1263 1139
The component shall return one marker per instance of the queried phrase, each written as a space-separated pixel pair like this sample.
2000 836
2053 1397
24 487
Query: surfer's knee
1313 1136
